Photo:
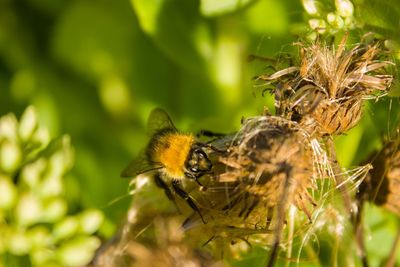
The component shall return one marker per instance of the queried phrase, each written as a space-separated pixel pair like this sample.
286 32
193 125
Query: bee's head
197 163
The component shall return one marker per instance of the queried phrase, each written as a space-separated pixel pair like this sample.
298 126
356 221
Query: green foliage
35 220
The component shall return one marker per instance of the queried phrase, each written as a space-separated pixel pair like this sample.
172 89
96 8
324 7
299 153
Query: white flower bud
19 243
39 236
8 127
8 193
335 20
66 228
42 136
32 172
317 24
28 124
29 209
10 156
54 210
79 251
311 6
90 221
344 8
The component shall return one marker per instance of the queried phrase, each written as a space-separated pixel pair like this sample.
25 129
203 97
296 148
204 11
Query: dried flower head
273 157
327 89
273 164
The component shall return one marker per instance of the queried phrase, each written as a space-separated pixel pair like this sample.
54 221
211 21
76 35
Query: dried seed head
271 165
327 88
273 160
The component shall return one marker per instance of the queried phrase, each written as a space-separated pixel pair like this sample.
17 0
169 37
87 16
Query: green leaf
175 26
380 16
348 143
147 12
96 39
220 7
278 17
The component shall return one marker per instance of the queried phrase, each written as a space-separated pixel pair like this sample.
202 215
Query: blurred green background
95 69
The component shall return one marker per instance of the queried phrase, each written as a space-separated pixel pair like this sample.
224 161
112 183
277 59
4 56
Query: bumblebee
173 156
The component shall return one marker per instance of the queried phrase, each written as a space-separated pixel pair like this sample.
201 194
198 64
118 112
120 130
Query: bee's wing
159 119
223 143
137 166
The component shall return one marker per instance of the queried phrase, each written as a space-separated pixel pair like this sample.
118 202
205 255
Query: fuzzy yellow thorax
172 151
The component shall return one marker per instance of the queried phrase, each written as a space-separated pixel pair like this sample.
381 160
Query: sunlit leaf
173 26
214 8
380 16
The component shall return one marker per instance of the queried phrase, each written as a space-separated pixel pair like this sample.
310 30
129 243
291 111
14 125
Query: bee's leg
232 204
208 241
252 207
196 179
234 197
269 217
202 187
184 195
247 209
245 206
161 184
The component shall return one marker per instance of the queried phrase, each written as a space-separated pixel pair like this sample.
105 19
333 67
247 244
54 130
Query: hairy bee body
174 154
170 149
171 156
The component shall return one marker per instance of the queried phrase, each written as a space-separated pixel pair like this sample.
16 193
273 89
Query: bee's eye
200 154
194 169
